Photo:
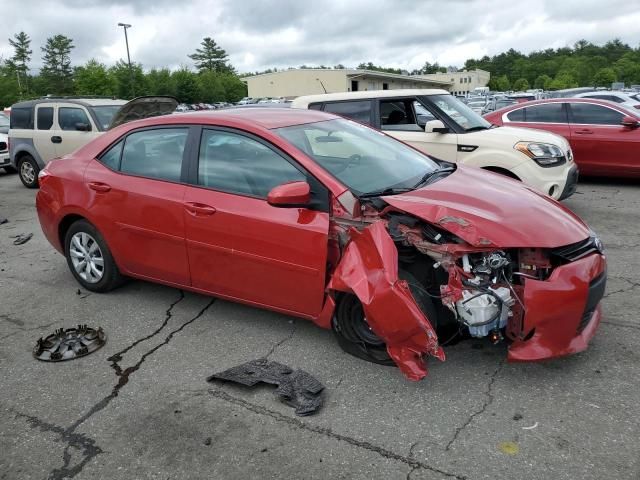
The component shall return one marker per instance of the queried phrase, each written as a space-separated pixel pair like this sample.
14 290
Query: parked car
442 126
569 92
55 126
604 136
320 217
498 103
4 144
621 98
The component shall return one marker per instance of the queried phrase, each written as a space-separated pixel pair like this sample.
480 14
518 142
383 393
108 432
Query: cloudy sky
281 33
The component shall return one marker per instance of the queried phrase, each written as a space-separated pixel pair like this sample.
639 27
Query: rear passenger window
238 164
359 111
590 114
45 118
315 106
69 118
516 115
112 157
21 118
546 113
154 153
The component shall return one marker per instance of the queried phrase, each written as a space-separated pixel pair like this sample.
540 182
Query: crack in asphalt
487 402
624 325
84 443
327 432
633 285
32 329
288 337
410 457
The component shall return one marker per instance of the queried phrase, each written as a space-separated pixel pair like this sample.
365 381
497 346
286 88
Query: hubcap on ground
27 172
86 257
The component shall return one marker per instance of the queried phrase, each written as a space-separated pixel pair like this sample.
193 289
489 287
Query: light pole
126 40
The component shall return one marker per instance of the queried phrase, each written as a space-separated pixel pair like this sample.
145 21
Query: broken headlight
544 154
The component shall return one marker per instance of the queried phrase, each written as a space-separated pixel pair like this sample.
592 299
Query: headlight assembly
544 154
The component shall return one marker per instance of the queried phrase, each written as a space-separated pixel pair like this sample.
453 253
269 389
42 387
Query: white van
442 126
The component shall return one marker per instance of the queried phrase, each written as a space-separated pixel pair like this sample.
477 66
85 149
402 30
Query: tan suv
52 127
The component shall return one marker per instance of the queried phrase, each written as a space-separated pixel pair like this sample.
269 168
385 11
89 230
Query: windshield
363 159
105 114
458 112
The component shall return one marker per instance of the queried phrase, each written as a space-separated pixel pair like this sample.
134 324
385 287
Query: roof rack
79 97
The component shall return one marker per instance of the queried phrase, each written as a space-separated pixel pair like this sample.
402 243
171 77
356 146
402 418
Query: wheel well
20 154
503 171
65 224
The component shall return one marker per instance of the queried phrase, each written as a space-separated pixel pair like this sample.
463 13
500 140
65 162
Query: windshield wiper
476 128
385 191
429 175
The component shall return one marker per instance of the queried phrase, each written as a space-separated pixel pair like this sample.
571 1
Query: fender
19 145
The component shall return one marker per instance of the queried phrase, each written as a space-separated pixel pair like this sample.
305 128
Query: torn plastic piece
369 269
22 238
296 388
69 344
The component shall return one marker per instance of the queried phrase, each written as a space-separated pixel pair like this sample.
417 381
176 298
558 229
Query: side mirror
83 127
630 122
435 126
293 194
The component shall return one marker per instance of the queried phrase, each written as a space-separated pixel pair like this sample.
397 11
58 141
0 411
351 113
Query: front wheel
28 170
90 259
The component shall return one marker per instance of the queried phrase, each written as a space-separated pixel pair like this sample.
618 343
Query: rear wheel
28 170
89 258
353 332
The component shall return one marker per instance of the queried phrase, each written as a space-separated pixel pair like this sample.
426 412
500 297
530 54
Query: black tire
26 165
10 169
111 277
356 338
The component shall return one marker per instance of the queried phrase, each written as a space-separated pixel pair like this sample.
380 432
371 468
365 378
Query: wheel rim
27 171
86 257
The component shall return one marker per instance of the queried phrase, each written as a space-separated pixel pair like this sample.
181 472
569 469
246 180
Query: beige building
306 81
463 81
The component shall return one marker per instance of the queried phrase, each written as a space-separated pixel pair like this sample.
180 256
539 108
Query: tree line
215 79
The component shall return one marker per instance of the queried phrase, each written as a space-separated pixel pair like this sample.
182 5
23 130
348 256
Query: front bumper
551 181
5 160
572 183
563 312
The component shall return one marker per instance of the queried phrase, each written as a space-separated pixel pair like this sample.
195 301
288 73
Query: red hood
485 209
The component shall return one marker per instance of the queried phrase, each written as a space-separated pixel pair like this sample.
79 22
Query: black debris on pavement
3 220
22 238
69 344
296 388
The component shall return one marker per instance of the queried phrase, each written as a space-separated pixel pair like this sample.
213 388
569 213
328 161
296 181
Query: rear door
137 194
601 145
44 135
240 246
75 128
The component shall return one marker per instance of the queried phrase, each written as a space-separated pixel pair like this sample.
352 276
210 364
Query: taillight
43 175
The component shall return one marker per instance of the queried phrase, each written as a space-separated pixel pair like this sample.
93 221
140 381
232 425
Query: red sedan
316 216
604 136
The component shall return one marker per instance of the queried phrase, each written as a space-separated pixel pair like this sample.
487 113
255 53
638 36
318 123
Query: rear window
546 113
516 115
22 118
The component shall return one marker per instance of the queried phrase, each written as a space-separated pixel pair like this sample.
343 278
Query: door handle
584 131
199 209
56 139
99 187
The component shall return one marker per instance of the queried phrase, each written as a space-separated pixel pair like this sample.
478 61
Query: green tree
542 81
604 77
234 88
9 90
93 78
18 64
56 69
500 84
210 57
520 85
160 82
129 83
210 87
563 80
187 88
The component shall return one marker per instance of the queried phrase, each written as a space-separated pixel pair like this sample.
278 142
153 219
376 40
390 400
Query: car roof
268 118
87 102
305 100
597 101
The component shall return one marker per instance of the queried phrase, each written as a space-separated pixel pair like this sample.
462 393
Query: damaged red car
319 217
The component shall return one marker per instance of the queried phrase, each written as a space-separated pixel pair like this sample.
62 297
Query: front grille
596 292
576 251
3 146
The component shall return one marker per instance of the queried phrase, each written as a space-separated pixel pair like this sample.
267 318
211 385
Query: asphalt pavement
141 408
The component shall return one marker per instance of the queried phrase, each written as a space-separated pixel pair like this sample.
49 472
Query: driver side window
238 164
398 115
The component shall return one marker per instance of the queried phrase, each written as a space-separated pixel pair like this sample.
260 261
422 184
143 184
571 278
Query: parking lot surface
141 408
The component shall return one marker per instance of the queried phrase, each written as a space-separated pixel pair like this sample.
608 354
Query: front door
137 203
600 143
74 128
240 246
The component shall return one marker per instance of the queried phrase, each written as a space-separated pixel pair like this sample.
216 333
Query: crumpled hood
485 209
513 135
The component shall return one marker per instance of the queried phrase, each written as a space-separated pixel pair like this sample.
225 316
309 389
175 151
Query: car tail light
43 176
